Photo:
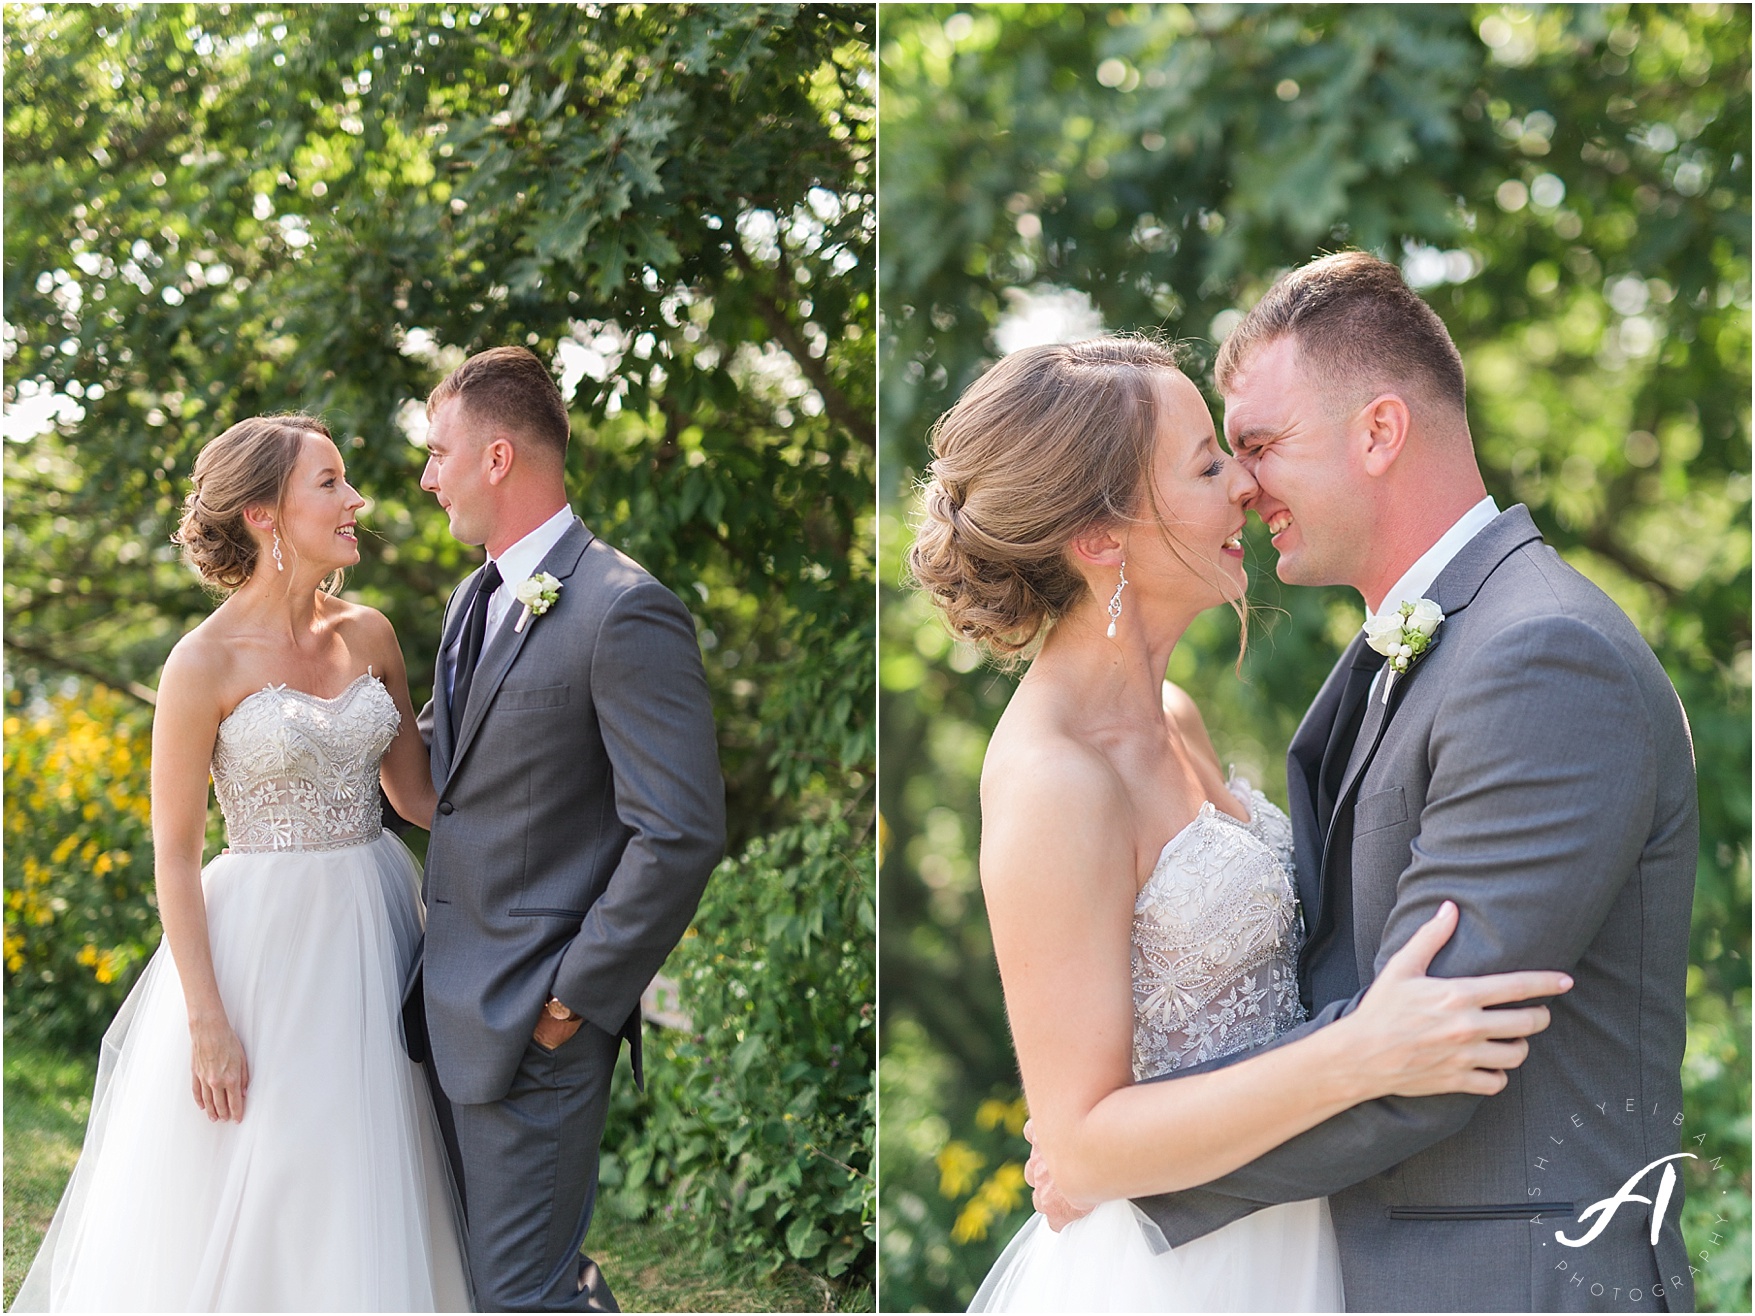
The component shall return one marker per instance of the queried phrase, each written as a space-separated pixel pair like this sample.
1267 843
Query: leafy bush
759 1124
80 913
1715 1099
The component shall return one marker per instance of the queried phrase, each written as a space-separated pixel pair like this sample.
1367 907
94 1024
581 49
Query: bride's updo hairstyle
1051 442
247 466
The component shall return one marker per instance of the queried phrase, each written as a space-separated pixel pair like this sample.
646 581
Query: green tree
1568 186
215 211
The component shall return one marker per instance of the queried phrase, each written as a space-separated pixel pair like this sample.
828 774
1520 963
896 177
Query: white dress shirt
517 564
1417 579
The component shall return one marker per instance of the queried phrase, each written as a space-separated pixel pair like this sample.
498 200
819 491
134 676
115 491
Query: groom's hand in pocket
552 1032
1046 1197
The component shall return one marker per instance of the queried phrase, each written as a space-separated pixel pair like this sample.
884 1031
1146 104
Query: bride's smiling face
318 511
1188 542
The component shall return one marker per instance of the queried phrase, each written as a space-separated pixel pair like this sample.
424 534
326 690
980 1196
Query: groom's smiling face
1292 434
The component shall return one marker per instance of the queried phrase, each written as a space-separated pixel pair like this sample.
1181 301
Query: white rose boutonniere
1402 636
538 595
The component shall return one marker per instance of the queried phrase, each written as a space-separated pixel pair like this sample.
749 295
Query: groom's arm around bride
1534 766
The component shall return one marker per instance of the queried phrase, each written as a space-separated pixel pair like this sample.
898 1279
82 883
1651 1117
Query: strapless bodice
1216 932
295 771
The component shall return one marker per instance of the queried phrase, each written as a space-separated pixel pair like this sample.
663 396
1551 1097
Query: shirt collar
1419 577
519 562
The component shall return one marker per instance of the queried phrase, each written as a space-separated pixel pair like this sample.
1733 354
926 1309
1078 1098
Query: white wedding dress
333 1192
1215 953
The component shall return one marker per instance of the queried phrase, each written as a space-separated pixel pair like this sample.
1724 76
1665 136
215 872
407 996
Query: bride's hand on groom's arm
1045 1196
1418 1036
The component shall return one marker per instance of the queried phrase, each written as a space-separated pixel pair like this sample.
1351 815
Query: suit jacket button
445 806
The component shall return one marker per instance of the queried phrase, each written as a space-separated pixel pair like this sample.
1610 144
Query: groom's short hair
1355 320
509 386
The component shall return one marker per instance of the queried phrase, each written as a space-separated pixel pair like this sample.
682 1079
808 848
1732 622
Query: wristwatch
558 1011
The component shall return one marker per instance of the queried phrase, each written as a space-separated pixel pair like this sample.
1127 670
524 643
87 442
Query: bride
258 1138
1141 903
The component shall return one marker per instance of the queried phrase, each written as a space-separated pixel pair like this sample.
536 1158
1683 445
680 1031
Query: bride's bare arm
1059 874
184 726
406 771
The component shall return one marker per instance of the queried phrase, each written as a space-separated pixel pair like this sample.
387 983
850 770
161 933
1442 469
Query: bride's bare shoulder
199 673
358 623
1050 802
206 655
1030 756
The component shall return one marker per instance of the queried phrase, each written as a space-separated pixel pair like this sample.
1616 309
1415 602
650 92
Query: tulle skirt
333 1192
1281 1258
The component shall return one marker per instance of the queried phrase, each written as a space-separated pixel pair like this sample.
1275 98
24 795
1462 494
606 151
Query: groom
1533 765
580 812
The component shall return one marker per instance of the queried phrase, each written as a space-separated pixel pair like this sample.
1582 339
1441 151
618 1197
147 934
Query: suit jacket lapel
1304 759
1453 591
455 614
502 648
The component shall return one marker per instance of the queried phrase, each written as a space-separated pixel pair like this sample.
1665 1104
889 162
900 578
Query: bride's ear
1098 548
260 518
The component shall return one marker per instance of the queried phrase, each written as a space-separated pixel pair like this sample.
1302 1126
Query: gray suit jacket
581 810
1535 767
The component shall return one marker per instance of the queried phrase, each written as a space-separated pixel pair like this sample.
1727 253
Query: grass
658 1268
47 1099
651 1266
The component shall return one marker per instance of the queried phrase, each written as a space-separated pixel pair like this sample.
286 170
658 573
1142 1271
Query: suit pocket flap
542 696
1381 809
1512 1211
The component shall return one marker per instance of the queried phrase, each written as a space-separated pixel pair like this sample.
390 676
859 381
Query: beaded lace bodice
298 772
1216 931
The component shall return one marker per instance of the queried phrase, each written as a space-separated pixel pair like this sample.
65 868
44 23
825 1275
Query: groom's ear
1384 422
498 456
1100 548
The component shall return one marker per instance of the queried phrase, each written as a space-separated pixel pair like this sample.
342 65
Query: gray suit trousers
525 1237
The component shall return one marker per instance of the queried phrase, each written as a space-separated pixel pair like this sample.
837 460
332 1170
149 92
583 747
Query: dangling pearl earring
279 565
1115 600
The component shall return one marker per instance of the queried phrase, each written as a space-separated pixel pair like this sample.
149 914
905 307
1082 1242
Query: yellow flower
958 1164
1005 1190
972 1222
992 1113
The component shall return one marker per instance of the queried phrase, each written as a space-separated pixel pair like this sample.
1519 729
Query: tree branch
145 694
1601 543
787 335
